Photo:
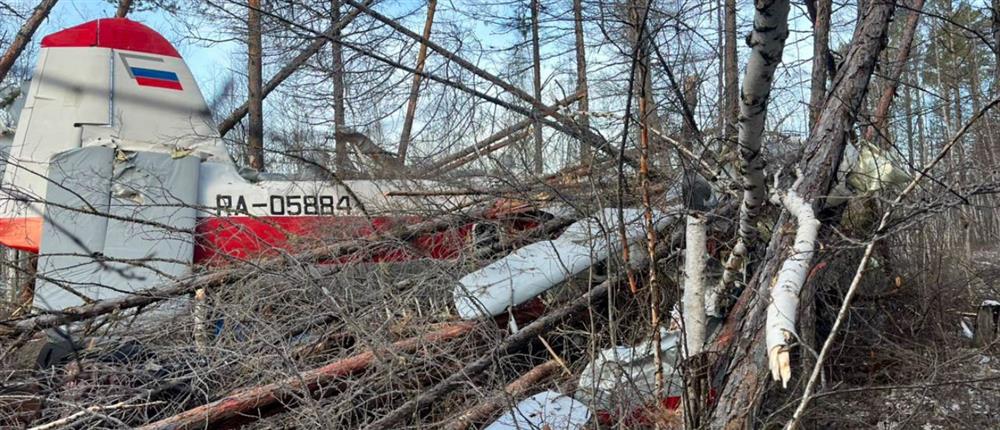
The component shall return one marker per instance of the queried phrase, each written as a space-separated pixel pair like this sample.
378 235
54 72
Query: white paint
624 377
548 410
533 269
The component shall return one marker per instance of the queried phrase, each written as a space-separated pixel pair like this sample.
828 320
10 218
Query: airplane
117 177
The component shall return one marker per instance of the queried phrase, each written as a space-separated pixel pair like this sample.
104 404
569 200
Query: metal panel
72 234
152 219
140 238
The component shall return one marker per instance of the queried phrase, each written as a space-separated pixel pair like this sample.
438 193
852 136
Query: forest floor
925 375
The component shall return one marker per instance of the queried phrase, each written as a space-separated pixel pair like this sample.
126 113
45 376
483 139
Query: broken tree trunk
879 129
782 312
250 399
411 103
294 64
744 359
24 36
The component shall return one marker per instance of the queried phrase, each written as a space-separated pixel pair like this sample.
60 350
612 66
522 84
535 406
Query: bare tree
24 36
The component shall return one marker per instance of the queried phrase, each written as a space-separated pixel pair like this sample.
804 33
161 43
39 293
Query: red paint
644 416
114 33
159 83
24 234
244 237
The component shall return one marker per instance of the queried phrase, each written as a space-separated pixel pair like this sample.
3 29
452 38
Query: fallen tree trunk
486 145
743 357
560 122
249 399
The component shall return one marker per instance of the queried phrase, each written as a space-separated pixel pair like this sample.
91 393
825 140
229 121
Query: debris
515 389
545 410
534 269
623 378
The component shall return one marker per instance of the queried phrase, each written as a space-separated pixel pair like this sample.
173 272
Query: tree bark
586 155
255 136
538 163
24 36
731 109
879 131
295 64
124 6
821 48
743 359
337 77
411 105
767 41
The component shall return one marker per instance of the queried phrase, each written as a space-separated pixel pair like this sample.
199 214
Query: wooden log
987 319
250 399
517 388
485 145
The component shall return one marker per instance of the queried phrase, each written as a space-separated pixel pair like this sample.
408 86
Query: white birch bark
782 311
693 300
767 41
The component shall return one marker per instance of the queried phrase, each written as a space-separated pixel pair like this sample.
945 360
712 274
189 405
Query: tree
255 135
24 36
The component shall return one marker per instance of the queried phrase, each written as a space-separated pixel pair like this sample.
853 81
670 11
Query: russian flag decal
151 75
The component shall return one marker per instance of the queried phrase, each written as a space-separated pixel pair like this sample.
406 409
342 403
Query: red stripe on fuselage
222 238
159 83
24 233
241 237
